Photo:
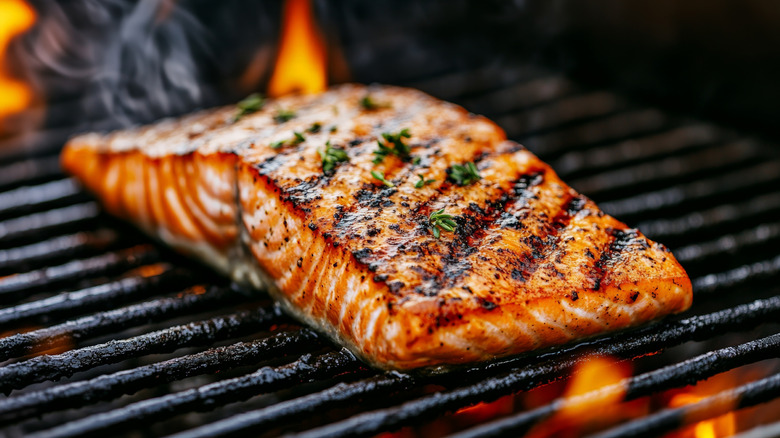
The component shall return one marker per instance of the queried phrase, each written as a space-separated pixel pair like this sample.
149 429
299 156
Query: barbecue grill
107 332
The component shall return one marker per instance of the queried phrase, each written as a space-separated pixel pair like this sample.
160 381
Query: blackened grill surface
107 333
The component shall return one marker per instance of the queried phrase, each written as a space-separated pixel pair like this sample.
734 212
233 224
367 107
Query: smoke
107 64
104 64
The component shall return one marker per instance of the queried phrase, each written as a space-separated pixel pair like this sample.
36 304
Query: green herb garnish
368 103
297 138
250 104
423 182
333 129
314 128
441 221
381 177
283 115
399 148
331 157
465 174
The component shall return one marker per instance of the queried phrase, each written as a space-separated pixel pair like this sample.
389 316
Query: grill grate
107 333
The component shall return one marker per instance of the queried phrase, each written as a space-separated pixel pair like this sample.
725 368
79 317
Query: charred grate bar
692 370
526 377
124 382
80 282
42 368
263 380
112 320
743 396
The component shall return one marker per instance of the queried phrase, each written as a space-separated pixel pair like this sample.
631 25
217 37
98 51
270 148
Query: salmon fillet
284 199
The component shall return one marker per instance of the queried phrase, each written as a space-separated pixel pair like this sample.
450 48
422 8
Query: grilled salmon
405 228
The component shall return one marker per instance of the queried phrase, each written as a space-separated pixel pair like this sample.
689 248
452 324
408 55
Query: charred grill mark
575 205
522 189
546 243
474 223
305 191
571 207
622 241
525 183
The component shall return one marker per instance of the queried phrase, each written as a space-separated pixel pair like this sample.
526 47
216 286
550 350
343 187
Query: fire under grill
106 333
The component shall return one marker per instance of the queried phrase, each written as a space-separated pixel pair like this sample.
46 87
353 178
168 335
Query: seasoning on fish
491 255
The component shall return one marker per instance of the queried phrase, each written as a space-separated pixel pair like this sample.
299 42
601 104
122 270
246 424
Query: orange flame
301 63
595 374
481 412
15 17
723 426
594 396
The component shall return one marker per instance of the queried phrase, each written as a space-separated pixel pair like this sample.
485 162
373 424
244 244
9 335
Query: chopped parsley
423 182
314 128
465 174
331 157
283 115
334 128
368 103
251 104
297 138
398 148
441 221
381 177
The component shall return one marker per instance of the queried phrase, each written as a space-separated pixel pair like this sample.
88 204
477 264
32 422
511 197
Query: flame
723 426
593 397
147 271
15 17
301 63
481 412
593 375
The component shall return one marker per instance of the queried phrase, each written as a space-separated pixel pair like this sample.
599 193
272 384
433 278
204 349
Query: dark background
121 62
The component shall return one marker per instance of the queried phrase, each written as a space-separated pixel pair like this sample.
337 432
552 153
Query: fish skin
531 263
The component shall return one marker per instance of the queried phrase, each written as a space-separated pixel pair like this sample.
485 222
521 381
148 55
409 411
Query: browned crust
532 263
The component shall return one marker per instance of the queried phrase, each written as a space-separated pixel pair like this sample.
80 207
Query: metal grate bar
666 170
729 243
106 387
609 129
644 341
55 367
286 411
92 298
25 199
28 171
722 214
674 196
743 396
120 318
555 114
638 148
47 278
264 380
713 282
672 376
71 245
29 227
